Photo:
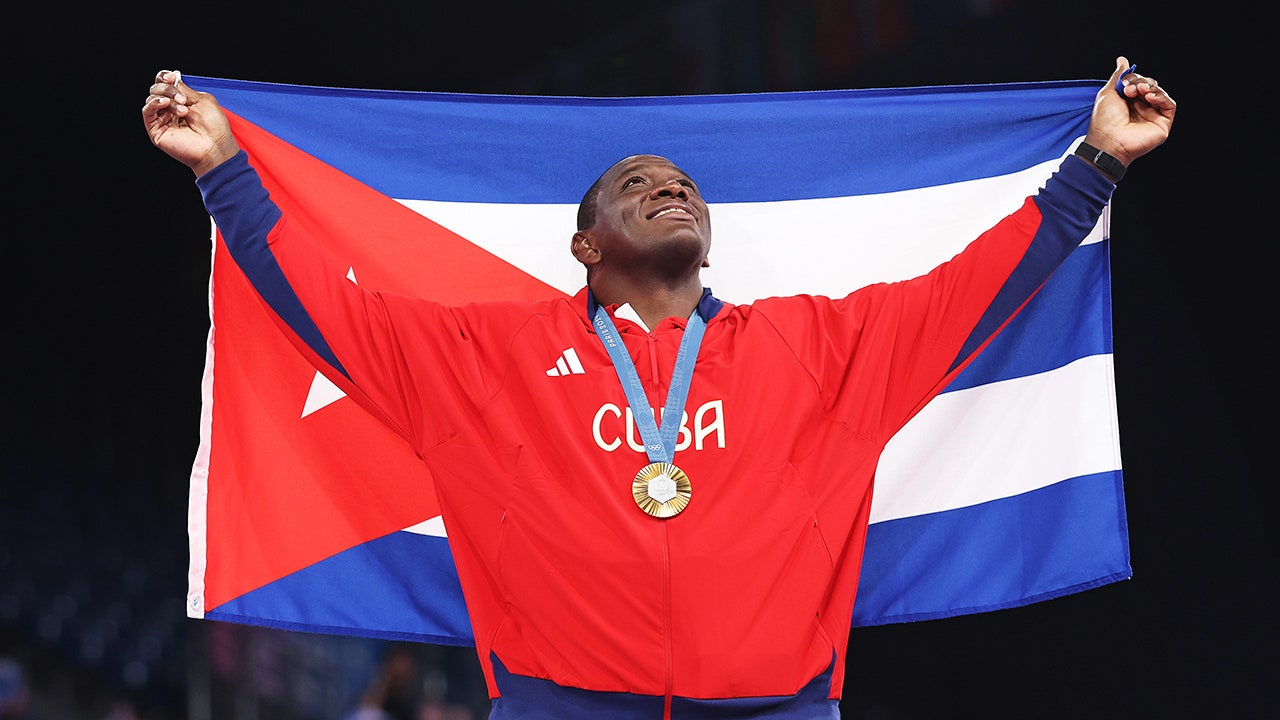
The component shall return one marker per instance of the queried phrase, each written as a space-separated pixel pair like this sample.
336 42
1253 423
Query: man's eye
632 180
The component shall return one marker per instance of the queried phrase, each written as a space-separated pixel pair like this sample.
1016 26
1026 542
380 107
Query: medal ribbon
661 447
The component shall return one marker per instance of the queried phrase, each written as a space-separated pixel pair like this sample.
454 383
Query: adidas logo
567 364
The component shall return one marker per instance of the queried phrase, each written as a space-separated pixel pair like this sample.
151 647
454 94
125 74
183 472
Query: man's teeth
671 210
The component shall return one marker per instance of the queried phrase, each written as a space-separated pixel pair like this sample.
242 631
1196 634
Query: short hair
590 201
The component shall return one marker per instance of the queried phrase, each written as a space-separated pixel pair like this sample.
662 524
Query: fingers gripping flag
308 513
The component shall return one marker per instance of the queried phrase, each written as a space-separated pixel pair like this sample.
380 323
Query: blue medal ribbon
660 446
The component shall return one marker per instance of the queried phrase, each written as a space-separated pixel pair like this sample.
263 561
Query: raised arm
342 329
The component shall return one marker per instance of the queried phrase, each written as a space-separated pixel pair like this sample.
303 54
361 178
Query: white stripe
827 247
571 355
1000 440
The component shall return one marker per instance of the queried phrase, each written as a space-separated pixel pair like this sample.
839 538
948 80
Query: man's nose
670 188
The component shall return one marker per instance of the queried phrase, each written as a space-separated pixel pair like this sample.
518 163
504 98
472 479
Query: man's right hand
187 124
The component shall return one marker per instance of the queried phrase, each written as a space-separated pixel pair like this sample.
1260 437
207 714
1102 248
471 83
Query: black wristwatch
1106 162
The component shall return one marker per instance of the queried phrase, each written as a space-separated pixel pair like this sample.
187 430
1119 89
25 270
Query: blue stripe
811 703
527 698
403 586
739 148
1060 539
1065 222
1069 319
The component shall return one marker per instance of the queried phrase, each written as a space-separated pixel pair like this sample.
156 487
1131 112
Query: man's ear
584 249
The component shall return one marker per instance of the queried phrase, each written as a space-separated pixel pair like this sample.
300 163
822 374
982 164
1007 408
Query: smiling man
712 570
644 232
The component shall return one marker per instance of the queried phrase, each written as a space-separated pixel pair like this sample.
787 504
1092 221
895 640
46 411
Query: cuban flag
307 513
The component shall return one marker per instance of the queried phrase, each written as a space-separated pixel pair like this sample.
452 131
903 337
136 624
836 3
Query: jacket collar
708 305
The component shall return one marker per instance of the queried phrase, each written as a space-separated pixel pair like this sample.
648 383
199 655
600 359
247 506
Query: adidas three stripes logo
567 364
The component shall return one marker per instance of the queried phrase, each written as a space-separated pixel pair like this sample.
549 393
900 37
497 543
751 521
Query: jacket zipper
666 623
657 403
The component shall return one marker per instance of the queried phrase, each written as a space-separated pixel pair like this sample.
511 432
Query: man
713 575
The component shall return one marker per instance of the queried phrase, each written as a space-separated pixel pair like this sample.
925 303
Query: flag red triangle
285 492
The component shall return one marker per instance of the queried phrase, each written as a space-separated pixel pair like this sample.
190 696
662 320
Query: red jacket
520 416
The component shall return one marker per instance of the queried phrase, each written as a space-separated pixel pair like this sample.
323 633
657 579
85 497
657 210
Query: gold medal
661 489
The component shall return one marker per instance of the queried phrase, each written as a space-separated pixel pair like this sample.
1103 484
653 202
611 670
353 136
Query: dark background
108 270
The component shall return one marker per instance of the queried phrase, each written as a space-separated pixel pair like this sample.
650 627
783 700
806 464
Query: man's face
650 213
